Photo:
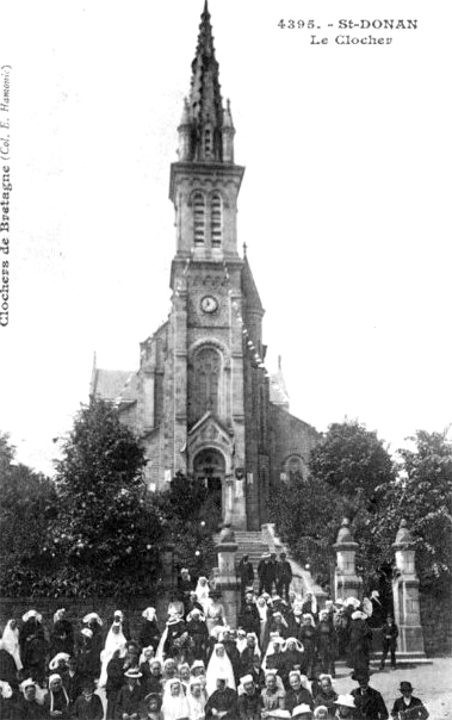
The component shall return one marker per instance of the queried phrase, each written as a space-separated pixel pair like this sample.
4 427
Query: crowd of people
278 662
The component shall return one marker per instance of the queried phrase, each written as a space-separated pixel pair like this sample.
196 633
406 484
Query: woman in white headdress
149 632
175 704
360 641
115 640
203 592
57 701
219 666
215 614
275 645
294 658
10 640
197 699
241 640
310 604
264 614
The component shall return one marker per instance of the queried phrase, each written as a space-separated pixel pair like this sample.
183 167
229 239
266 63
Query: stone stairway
255 543
251 544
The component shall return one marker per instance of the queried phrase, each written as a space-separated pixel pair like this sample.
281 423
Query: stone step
402 660
248 533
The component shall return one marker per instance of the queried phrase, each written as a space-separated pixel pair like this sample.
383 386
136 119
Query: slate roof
110 384
249 288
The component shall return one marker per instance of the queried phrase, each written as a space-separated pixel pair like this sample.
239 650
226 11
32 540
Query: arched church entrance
209 467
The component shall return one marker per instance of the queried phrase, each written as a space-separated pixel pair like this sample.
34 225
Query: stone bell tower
200 400
207 279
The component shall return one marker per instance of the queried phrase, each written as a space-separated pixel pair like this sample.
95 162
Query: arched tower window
205 383
216 220
199 218
207 143
294 469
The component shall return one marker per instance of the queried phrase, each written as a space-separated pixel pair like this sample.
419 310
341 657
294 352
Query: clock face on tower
209 304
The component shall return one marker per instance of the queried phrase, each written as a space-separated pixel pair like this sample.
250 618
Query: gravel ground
431 683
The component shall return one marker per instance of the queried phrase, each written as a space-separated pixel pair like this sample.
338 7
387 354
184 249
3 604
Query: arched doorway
209 467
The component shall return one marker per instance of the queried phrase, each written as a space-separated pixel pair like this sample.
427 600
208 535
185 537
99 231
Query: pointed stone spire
205 100
278 390
92 385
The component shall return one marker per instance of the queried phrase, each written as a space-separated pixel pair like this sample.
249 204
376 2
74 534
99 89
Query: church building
202 400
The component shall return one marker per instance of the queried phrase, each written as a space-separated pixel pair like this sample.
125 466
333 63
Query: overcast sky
345 204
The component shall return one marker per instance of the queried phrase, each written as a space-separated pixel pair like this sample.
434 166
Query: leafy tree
7 452
189 521
307 516
27 511
423 496
350 473
352 460
353 476
108 526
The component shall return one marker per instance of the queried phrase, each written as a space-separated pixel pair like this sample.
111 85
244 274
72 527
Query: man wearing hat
267 573
408 707
130 696
390 635
249 705
369 702
283 575
245 572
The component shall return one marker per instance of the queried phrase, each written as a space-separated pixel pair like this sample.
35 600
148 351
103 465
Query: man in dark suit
390 635
408 707
246 574
283 576
369 702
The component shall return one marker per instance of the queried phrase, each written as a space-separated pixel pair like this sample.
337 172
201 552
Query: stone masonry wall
288 435
436 619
